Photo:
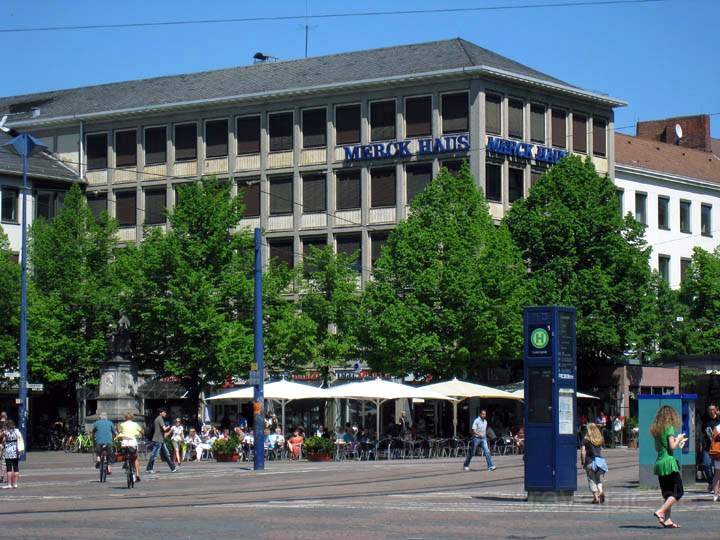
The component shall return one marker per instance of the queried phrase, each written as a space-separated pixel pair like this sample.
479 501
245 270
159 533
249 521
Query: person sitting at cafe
295 444
194 444
276 439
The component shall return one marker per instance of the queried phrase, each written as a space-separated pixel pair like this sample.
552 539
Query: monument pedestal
118 389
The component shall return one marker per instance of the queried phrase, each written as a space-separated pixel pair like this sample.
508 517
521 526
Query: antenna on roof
678 133
259 57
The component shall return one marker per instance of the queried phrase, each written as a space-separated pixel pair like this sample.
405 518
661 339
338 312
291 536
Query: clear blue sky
663 59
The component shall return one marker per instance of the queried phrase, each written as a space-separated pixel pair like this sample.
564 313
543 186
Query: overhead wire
322 16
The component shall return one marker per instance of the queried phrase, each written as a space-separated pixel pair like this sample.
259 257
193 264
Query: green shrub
318 445
226 446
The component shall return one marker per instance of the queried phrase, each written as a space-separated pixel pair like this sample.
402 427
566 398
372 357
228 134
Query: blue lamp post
24 145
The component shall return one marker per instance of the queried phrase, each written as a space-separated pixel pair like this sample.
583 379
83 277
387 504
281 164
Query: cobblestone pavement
60 497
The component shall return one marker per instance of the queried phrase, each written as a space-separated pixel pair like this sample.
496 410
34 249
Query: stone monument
117 393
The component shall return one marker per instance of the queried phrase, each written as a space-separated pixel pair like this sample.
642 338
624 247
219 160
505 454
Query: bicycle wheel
103 468
130 476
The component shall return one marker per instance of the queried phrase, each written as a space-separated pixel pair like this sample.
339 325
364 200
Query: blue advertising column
550 397
257 374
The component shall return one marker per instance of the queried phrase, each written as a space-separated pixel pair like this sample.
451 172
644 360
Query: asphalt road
60 497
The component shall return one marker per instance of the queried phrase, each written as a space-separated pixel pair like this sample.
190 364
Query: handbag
714 449
20 441
599 464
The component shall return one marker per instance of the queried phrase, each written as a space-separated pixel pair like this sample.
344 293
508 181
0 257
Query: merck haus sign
522 150
408 148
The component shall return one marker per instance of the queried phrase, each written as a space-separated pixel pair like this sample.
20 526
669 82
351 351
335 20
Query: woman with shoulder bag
664 429
14 446
594 464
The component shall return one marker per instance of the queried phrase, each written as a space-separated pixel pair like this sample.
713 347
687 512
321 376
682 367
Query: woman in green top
664 429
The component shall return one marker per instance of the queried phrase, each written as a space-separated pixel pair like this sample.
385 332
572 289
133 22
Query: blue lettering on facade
367 152
496 145
402 148
463 142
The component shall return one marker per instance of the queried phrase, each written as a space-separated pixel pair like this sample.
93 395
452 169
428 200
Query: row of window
47 204
282 249
664 262
347 193
418 122
558 125
663 213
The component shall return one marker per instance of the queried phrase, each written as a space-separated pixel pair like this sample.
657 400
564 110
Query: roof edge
471 70
663 175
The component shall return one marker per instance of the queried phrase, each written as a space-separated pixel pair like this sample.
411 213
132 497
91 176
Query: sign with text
408 148
524 150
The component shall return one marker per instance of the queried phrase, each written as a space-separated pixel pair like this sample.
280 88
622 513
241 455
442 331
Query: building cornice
578 93
669 177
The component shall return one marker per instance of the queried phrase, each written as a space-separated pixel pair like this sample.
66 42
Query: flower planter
227 458
312 456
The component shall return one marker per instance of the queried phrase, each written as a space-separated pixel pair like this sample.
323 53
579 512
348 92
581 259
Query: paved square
60 497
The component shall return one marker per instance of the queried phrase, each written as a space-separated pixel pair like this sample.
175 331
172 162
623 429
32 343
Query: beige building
324 150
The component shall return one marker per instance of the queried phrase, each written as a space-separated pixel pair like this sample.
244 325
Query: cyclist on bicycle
103 433
128 433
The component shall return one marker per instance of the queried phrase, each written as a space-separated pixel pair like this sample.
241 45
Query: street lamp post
24 145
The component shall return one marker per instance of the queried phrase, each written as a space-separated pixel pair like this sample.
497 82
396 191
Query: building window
685 225
493 118
280 127
620 194
559 128
351 246
281 195
314 125
186 142
418 116
706 220
455 113
347 190
250 191
493 182
515 184
308 245
418 177
377 241
97 202
515 119
663 213
155 202
664 268
600 137
216 138
382 120
155 145
382 187
453 165
126 148
537 124
641 207
314 193
282 251
684 268
10 204
535 175
248 135
125 206
347 124
96 151
48 203
580 133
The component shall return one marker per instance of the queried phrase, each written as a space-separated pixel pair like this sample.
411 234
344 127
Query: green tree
329 307
71 299
700 292
9 307
581 252
448 288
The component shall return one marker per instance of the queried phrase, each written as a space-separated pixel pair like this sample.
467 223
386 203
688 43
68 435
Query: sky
662 58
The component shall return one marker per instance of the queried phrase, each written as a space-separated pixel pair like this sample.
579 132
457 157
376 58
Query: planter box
311 456
227 458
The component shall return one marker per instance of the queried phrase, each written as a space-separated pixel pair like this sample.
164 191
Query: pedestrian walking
158 437
711 422
13 446
594 464
714 452
664 429
479 438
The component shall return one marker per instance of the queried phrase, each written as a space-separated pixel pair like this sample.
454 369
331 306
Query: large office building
668 177
329 149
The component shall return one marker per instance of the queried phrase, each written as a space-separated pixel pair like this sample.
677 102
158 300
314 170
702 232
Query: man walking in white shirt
479 438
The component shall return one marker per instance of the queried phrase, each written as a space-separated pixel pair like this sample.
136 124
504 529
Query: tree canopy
9 307
448 288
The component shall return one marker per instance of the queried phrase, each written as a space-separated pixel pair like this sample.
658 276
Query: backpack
715 447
